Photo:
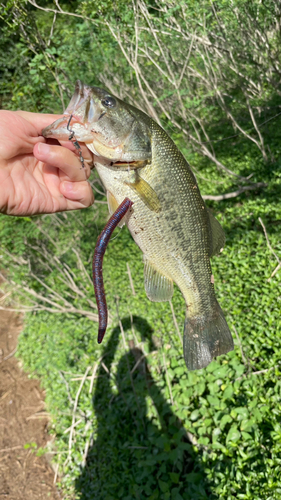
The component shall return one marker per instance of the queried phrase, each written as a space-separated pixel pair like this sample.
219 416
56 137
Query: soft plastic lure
101 245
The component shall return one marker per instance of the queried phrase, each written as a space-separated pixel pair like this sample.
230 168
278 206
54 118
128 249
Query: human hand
37 176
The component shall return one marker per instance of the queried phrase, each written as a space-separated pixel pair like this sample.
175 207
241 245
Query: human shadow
135 455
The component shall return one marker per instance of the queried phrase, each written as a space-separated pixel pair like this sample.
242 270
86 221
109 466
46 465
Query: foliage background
129 421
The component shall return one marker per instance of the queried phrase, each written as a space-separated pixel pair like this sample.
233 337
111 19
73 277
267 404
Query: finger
17 136
38 120
62 158
87 154
79 192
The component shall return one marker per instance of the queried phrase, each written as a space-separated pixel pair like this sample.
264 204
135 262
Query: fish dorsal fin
146 193
218 238
158 287
113 205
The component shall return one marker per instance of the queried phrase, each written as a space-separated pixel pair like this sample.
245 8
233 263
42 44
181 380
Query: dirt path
23 475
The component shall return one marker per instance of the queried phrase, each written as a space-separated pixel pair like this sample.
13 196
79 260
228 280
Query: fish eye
109 102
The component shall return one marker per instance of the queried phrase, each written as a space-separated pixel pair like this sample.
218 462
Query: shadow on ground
134 456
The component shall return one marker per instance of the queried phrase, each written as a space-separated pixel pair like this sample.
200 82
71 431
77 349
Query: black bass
169 220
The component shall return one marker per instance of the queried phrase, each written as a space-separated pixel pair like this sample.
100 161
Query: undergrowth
142 426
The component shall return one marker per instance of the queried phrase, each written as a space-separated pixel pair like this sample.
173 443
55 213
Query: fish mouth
79 117
82 99
80 123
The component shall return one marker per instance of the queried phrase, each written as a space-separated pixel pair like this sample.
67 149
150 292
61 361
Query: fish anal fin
113 205
218 237
158 287
146 194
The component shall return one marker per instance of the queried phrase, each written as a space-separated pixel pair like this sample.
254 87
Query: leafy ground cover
129 420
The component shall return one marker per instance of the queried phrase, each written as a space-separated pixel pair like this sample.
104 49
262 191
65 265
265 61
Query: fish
169 221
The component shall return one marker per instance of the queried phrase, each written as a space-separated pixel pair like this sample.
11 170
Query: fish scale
169 220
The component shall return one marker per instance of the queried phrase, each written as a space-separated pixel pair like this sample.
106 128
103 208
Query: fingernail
43 149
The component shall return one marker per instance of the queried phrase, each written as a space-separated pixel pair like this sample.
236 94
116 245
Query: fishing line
116 236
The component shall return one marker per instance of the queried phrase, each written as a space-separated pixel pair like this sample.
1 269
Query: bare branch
74 413
256 128
52 29
93 376
175 321
168 380
131 280
271 249
255 373
63 12
10 355
245 360
68 308
227 196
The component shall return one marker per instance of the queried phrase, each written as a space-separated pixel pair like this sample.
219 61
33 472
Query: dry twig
233 194
10 355
272 251
168 380
74 413
175 321
245 360
131 280
259 372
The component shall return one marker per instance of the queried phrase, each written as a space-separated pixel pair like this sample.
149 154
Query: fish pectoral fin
158 287
112 202
146 194
112 206
218 238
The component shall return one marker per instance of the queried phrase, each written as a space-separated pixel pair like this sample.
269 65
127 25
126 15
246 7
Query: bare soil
23 420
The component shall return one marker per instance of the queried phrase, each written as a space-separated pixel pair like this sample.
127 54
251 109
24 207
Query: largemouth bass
169 220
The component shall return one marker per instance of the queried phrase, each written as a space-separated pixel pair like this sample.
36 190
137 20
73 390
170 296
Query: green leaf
194 415
200 388
228 392
246 436
225 420
233 434
213 401
163 485
241 412
174 477
221 372
247 424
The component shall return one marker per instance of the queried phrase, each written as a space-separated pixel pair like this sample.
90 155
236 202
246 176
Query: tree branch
227 196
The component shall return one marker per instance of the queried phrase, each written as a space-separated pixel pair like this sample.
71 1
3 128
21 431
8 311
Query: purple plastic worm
101 245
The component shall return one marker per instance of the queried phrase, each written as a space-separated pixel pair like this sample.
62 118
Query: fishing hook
75 143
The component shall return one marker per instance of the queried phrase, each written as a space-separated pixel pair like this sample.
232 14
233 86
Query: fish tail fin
205 337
